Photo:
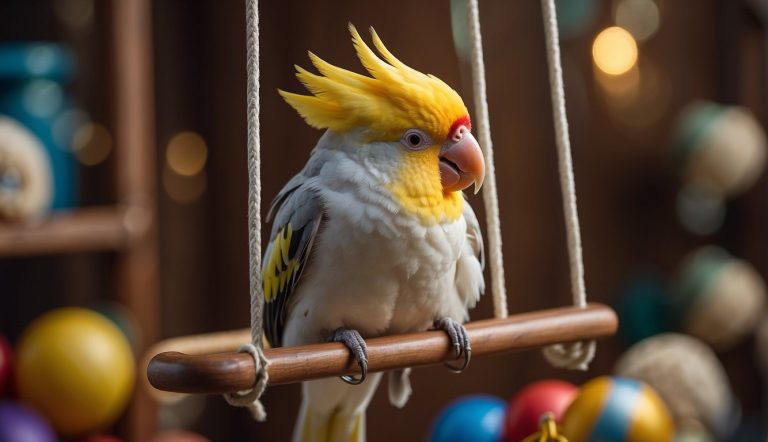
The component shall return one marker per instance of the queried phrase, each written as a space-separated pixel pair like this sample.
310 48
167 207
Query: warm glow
184 189
614 51
186 153
92 143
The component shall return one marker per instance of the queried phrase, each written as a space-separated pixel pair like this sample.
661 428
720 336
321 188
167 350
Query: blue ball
21 424
478 418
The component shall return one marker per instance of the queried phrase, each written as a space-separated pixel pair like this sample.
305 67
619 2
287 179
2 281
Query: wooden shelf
81 230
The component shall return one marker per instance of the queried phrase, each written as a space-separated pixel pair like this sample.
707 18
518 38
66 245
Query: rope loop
573 355
251 399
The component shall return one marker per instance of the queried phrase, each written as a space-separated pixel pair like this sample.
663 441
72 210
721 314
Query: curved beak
461 162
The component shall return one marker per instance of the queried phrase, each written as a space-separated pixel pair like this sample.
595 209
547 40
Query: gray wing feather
298 213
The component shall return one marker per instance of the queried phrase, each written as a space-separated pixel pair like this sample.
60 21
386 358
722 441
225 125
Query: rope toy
23 157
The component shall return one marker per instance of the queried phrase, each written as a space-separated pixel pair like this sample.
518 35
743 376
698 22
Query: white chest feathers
378 272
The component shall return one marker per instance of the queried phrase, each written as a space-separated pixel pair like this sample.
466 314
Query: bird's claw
459 339
356 346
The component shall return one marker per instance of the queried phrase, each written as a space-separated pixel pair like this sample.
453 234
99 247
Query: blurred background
123 190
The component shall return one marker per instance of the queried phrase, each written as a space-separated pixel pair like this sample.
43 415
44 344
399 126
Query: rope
251 398
490 195
575 355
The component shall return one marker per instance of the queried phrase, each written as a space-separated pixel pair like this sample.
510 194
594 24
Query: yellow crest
393 99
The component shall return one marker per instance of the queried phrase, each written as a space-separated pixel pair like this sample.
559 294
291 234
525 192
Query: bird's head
423 122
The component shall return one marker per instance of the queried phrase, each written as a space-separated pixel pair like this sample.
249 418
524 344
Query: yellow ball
77 368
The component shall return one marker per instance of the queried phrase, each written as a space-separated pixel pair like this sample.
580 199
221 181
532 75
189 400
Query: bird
374 236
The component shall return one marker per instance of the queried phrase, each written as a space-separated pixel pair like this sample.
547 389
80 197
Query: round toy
179 436
5 366
526 408
618 410
21 424
718 298
677 366
25 173
477 418
720 148
76 367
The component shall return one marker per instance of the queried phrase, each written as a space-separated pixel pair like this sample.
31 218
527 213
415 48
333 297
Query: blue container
32 91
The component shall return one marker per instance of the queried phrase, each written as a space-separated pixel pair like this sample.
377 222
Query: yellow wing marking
279 267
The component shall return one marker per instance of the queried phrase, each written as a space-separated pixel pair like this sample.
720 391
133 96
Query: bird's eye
415 139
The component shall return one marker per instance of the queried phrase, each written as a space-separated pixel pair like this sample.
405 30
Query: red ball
5 367
529 404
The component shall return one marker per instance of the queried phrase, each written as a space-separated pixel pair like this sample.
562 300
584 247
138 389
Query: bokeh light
92 143
640 17
184 189
186 153
637 99
74 13
42 98
614 51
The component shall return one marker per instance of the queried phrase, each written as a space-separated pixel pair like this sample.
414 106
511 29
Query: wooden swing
567 333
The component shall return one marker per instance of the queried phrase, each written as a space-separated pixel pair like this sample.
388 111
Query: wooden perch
230 372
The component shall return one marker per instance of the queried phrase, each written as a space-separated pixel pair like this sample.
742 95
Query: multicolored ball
526 408
677 366
717 298
720 148
619 410
478 418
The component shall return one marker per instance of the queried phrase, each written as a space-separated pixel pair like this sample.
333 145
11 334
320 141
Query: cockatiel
374 236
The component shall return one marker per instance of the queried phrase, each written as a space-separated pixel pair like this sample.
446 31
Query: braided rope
490 194
251 397
576 355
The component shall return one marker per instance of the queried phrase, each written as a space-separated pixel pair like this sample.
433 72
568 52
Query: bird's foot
459 338
356 345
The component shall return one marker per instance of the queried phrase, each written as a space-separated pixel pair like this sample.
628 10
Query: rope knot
573 355
251 399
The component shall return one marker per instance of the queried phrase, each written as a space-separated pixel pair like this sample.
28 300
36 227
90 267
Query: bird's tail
332 411
333 427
